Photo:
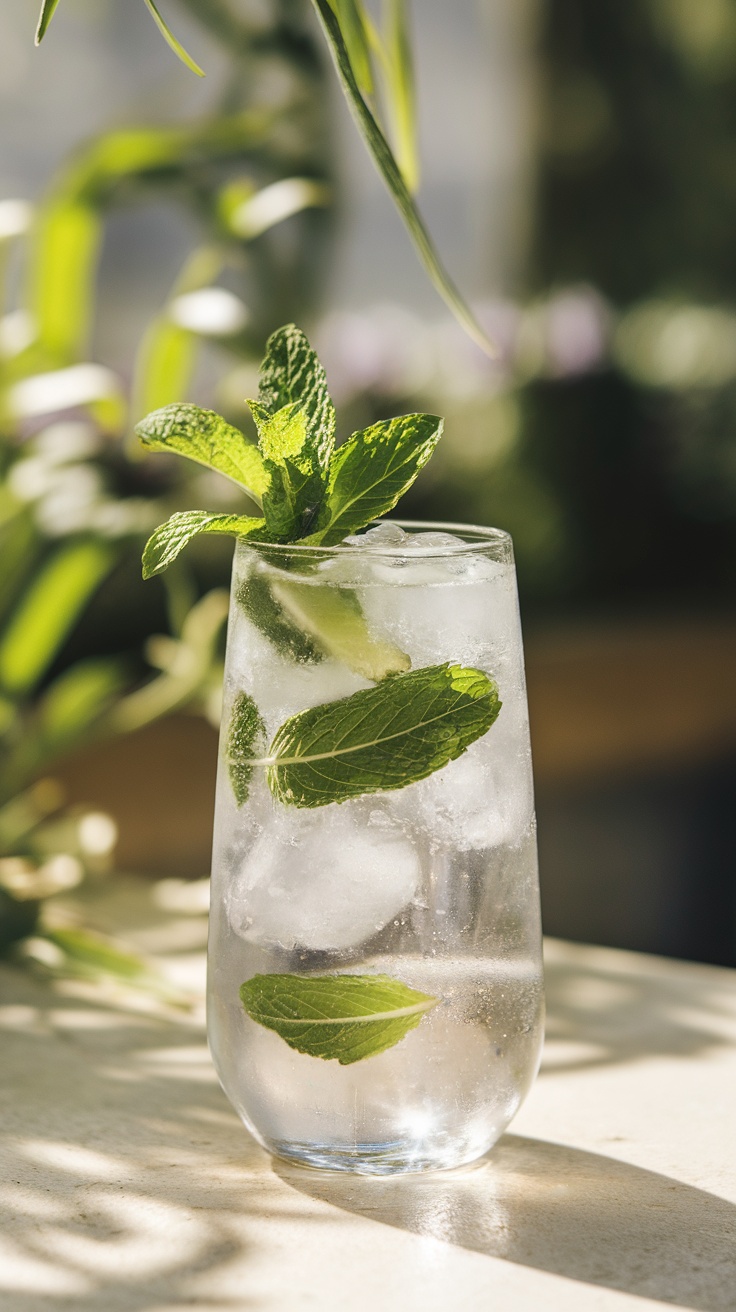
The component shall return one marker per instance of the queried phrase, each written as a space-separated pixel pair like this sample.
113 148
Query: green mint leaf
170 538
296 480
171 40
343 1018
372 470
47 13
291 373
263 610
334 620
295 419
387 166
381 738
244 735
204 436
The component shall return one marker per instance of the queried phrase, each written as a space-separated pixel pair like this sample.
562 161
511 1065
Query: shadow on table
607 1008
556 1209
127 1184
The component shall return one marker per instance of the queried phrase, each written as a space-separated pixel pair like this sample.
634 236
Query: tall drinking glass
431 885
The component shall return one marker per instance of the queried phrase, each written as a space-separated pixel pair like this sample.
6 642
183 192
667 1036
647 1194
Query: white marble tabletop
128 1185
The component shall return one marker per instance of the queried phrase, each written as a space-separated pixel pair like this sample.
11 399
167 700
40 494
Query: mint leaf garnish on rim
164 545
308 492
343 1018
382 738
295 419
204 436
372 470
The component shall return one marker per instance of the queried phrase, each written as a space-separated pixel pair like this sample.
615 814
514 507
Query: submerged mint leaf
164 545
381 738
343 1018
372 470
245 732
204 436
263 610
334 620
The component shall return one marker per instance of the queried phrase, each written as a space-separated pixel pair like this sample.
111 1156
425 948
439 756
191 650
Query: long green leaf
391 174
352 20
344 1018
381 738
65 238
76 700
400 87
164 365
171 40
47 13
49 610
169 539
204 436
66 245
372 470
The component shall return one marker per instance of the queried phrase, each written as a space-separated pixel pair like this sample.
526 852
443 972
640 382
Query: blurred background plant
577 174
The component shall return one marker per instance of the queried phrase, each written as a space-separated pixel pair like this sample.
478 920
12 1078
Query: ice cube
385 534
323 882
482 800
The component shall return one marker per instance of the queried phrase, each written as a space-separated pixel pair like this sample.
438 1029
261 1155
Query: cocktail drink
375 986
432 885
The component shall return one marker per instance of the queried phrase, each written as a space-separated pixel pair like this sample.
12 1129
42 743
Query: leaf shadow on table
608 1008
127 1183
560 1210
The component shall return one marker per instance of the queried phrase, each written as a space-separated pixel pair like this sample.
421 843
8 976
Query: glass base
398 1158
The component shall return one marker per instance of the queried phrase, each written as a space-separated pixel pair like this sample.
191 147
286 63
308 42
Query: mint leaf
291 372
206 437
245 731
343 1018
372 470
263 610
170 538
381 738
295 419
334 620
296 481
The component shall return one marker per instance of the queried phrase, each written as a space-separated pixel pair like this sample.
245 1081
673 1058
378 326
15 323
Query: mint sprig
309 492
344 1018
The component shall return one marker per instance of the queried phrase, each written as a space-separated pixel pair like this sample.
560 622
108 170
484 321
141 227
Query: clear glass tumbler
432 884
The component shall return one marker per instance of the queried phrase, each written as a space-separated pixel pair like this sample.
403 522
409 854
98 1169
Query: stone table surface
129 1185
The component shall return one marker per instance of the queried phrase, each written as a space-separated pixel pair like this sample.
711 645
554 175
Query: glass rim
476 538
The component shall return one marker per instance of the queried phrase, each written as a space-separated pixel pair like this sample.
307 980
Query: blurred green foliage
80 656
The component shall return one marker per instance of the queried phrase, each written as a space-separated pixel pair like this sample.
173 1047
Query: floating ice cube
323 882
386 534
